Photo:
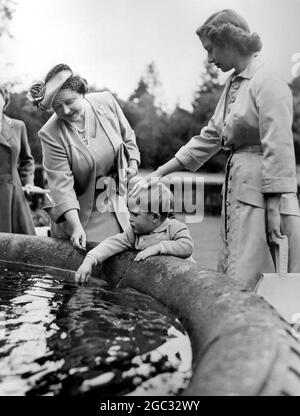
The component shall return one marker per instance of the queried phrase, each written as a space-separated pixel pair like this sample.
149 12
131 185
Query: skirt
245 252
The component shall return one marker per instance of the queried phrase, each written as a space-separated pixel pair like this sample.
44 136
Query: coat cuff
93 258
134 154
162 248
57 212
187 159
278 185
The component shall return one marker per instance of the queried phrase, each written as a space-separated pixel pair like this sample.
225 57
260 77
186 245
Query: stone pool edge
240 345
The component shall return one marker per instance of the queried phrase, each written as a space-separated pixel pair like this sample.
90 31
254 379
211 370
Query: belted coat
16 169
253 119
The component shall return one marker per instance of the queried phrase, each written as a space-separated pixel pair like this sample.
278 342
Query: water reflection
59 338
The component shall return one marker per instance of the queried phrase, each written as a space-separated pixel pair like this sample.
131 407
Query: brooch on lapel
102 110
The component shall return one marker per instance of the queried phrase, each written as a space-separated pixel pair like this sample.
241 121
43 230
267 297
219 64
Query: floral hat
42 94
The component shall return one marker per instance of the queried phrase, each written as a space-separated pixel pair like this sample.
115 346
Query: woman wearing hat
89 151
16 171
253 119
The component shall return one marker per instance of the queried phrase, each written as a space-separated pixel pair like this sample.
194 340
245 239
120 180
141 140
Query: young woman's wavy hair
228 27
6 96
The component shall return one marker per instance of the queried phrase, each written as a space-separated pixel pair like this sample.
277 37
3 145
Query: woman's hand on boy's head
145 183
148 252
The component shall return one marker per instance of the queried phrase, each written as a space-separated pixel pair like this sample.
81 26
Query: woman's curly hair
228 27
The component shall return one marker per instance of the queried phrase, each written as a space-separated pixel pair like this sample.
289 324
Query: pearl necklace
82 133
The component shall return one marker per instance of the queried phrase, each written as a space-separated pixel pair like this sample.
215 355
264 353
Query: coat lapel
7 132
101 112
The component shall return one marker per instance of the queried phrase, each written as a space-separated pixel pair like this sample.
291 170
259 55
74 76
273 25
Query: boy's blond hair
157 198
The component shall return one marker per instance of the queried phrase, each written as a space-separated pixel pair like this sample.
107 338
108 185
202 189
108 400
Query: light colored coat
173 237
70 167
254 119
258 111
16 169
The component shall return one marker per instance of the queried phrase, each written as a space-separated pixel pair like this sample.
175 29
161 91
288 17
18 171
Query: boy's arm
180 244
107 248
112 245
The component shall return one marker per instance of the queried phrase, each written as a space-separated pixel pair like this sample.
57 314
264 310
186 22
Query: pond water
61 338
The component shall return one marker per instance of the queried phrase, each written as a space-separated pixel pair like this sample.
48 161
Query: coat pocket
289 204
250 195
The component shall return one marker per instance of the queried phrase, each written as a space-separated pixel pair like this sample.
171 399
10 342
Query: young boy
151 231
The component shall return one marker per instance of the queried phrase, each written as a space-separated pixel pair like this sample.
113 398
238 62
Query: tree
207 95
204 104
151 79
6 14
140 90
145 116
175 130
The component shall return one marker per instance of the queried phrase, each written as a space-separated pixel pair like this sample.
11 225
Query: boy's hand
84 271
148 252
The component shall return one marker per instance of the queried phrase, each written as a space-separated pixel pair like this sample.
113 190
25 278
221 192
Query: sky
110 42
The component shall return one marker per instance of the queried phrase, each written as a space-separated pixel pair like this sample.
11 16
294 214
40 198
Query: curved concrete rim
240 345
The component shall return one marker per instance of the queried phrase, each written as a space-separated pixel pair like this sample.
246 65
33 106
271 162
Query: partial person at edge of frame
253 119
16 172
86 140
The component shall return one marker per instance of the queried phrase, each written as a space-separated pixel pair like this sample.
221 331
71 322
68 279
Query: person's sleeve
180 243
200 148
59 176
275 114
113 245
26 161
127 133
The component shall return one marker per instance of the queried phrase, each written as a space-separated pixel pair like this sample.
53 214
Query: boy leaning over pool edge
151 231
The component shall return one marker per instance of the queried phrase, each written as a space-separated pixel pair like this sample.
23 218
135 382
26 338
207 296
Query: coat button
232 100
10 181
236 85
230 177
